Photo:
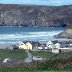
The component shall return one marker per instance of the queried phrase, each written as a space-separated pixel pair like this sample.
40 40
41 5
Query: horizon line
34 4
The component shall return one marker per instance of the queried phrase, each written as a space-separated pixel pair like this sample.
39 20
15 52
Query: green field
44 54
64 56
47 54
58 62
14 54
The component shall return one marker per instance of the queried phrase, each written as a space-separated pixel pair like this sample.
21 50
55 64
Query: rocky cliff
66 34
32 15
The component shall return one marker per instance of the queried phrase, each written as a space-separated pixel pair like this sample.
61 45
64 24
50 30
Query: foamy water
15 34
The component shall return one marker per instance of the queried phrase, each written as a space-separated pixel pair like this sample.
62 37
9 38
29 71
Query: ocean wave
21 36
28 35
46 33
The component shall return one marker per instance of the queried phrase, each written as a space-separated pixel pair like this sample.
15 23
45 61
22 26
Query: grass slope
14 54
57 62
44 54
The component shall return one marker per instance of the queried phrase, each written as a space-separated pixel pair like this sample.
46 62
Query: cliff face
66 34
28 15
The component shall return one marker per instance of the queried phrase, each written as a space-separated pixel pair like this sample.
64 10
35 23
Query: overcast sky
38 2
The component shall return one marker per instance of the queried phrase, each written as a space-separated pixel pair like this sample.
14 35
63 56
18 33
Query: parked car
7 60
37 58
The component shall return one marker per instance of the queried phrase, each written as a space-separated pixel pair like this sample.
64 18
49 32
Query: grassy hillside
58 62
44 54
66 34
14 54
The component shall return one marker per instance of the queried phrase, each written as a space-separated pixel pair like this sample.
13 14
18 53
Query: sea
14 34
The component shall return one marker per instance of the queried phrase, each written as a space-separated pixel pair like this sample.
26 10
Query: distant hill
66 34
32 15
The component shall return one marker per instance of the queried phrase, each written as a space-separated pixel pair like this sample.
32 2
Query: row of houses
31 45
53 46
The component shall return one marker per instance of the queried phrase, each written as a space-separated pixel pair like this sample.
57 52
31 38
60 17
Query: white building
22 45
55 50
26 45
70 45
57 45
46 48
29 45
40 48
49 44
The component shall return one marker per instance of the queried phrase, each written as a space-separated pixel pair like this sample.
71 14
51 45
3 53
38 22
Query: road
29 58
